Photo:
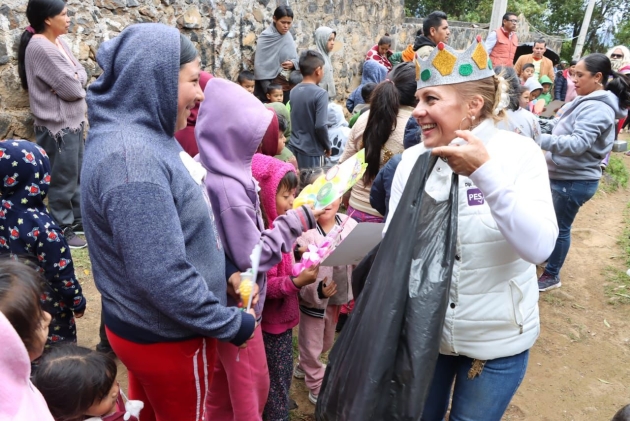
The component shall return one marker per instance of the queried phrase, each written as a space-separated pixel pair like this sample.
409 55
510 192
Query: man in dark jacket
434 30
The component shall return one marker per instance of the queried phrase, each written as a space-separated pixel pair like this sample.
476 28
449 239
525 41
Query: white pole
498 10
587 20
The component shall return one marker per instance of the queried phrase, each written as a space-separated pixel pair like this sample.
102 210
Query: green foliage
615 176
549 16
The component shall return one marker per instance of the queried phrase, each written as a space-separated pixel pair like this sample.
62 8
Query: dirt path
580 367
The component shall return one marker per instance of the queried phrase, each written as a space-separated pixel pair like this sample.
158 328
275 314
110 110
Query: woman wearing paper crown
506 224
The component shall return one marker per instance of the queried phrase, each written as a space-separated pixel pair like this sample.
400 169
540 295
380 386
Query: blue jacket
560 87
372 73
156 255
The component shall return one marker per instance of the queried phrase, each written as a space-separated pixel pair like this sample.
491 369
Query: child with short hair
274 93
278 182
23 329
366 94
547 93
320 303
26 228
284 153
527 72
309 114
247 81
80 384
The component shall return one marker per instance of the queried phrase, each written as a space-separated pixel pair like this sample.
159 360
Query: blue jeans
484 398
568 197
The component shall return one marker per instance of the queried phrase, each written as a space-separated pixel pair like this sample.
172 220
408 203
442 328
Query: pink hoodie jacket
19 398
281 311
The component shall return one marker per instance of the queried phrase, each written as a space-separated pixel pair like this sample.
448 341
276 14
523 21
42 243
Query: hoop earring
472 122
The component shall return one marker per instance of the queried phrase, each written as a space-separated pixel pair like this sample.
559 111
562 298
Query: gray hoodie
157 258
582 137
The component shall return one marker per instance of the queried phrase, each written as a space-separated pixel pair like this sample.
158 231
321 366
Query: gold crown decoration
446 66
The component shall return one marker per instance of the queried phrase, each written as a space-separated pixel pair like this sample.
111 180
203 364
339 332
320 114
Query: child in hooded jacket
278 182
320 303
240 386
26 228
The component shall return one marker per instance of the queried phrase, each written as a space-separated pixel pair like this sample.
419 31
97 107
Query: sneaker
73 241
78 229
547 282
298 373
312 398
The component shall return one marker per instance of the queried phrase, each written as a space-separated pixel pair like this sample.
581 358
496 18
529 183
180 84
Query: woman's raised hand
467 158
288 65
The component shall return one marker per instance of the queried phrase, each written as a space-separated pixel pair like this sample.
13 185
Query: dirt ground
579 369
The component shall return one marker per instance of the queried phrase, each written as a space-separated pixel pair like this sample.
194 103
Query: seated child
623 414
26 228
80 384
278 183
275 93
546 94
527 72
246 80
366 93
320 303
23 329
338 132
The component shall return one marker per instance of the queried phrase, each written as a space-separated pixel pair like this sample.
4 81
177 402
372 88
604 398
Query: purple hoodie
230 127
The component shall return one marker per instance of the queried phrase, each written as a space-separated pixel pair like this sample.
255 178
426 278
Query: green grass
615 176
617 286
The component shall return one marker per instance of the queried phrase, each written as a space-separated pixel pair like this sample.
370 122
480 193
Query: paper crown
445 66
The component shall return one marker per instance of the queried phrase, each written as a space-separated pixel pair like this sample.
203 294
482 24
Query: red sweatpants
171 378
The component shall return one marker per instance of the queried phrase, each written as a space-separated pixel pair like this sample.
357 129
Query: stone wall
225 32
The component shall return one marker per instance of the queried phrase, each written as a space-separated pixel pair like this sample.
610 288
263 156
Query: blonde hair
490 92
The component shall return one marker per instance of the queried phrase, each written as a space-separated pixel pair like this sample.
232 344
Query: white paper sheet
356 245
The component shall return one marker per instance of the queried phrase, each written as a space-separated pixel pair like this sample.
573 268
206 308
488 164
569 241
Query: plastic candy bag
382 365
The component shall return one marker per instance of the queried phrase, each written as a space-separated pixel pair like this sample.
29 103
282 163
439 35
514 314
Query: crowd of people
182 176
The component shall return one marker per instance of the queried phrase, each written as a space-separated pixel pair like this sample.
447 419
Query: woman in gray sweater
55 82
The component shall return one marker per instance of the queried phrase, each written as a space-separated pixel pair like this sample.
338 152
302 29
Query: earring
472 122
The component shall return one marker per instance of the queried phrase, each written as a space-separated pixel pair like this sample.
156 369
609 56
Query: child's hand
329 289
307 277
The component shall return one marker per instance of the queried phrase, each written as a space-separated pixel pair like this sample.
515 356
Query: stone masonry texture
224 31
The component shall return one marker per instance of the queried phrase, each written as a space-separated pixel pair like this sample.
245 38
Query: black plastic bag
362 270
382 365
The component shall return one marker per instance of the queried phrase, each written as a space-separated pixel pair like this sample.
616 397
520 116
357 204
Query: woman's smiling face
439 113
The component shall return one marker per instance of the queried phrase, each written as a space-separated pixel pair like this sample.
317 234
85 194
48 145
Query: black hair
623 414
282 124
187 50
540 41
283 11
271 88
573 63
385 40
399 89
309 175
528 66
366 91
509 74
434 20
245 75
20 290
614 82
37 11
72 379
310 60
508 14
288 182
